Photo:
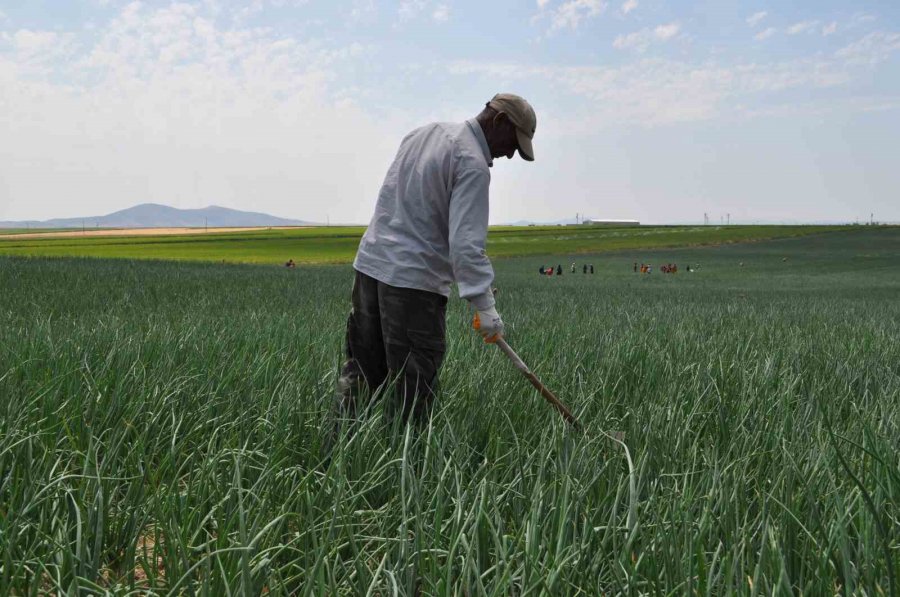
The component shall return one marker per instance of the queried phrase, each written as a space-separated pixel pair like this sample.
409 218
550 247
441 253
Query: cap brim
525 148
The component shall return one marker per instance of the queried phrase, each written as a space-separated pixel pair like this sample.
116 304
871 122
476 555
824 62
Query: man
428 231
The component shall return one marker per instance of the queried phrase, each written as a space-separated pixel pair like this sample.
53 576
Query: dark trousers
394 335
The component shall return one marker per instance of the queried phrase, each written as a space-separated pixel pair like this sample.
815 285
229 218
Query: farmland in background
161 426
18 231
338 244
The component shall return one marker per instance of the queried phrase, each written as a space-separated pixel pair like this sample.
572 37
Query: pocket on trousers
427 347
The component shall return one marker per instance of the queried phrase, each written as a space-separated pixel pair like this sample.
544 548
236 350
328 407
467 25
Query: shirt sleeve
468 232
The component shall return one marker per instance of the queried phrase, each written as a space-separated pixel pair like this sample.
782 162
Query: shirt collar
479 134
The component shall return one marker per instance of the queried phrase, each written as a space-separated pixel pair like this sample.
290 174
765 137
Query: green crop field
16 231
161 424
338 244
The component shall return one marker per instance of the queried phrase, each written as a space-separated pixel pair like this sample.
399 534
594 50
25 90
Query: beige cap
522 115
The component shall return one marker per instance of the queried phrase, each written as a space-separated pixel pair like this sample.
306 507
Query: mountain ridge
157 215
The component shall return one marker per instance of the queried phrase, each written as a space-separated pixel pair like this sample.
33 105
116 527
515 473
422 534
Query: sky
757 111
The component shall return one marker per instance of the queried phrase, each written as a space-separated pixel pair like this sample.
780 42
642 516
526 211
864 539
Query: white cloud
829 28
628 6
362 9
250 9
641 40
638 40
825 107
871 49
441 13
665 32
409 9
31 42
42 52
861 18
542 3
765 33
658 91
166 105
754 19
572 13
802 27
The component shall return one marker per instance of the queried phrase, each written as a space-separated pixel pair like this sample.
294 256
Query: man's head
508 122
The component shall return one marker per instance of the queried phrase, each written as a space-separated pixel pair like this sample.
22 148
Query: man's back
418 238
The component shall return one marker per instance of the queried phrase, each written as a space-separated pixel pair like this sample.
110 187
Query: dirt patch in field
141 232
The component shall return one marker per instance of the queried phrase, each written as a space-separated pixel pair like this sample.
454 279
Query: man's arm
468 233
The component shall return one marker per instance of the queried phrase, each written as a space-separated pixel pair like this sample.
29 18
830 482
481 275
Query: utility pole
872 219
82 226
729 219
205 224
705 219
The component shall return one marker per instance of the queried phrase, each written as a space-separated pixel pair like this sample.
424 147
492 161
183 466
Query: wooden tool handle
541 388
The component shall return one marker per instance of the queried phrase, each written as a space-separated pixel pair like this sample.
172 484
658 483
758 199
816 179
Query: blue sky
660 111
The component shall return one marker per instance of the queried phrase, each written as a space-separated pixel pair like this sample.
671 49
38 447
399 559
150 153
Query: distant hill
153 215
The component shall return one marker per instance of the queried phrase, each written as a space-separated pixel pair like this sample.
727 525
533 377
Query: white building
611 223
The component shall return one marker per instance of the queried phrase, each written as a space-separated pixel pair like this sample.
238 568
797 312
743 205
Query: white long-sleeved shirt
431 217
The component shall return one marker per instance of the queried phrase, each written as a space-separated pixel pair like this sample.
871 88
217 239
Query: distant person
290 263
573 267
635 267
541 270
592 268
584 268
559 269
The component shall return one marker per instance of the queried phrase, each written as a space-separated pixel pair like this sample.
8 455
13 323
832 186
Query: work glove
487 322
